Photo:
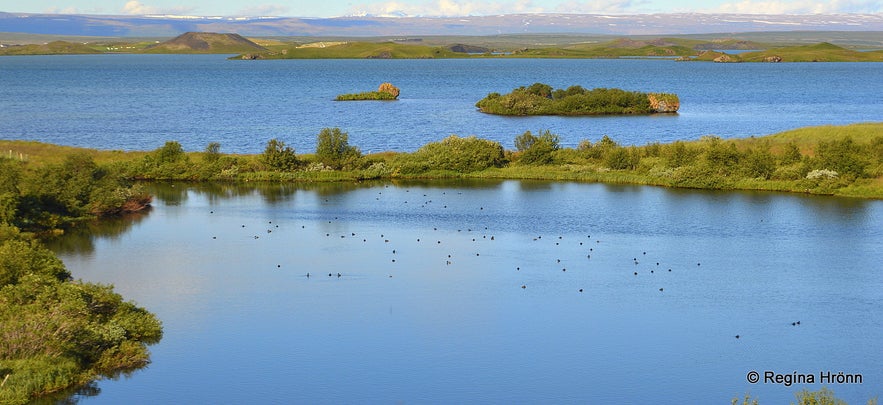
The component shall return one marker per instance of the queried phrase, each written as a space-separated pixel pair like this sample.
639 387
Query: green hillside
51 48
822 52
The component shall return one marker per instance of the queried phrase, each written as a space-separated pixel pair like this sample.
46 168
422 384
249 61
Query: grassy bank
827 160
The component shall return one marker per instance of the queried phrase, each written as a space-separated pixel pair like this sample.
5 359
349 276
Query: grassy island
541 99
57 332
386 92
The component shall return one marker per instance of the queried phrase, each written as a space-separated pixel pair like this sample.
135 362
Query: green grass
569 164
861 133
40 154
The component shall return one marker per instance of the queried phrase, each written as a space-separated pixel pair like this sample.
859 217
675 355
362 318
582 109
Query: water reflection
176 193
80 240
71 396
169 193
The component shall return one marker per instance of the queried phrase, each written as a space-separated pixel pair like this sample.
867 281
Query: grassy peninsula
826 160
821 52
57 332
541 99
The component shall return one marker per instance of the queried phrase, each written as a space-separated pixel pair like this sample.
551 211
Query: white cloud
264 10
801 7
599 7
446 8
449 8
135 7
58 10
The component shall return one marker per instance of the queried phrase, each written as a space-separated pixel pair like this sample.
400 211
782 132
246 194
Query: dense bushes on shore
55 332
56 195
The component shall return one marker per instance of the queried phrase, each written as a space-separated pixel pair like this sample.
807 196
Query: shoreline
711 163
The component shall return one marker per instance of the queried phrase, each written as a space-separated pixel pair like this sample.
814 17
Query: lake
491 292
137 102
467 291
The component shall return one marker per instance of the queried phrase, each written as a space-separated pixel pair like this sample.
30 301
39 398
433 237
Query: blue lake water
140 101
492 292
429 306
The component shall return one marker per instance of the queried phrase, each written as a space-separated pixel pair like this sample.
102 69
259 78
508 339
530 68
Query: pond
491 292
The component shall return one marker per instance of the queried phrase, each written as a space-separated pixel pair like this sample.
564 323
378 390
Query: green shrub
678 154
820 397
843 156
758 163
21 258
277 156
168 162
457 154
170 152
791 154
721 156
536 149
619 158
600 149
212 152
333 149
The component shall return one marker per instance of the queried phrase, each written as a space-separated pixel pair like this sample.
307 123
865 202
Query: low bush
456 154
279 157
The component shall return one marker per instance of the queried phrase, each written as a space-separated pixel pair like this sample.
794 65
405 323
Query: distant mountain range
643 24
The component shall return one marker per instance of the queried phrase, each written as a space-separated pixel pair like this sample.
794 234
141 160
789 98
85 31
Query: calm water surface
137 102
469 292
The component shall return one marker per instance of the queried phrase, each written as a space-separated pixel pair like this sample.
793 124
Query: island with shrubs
542 99
385 92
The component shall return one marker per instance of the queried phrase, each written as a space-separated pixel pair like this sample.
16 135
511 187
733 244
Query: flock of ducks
270 227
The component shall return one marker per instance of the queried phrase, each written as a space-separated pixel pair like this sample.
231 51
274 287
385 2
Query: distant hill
51 48
822 52
206 42
631 25
355 50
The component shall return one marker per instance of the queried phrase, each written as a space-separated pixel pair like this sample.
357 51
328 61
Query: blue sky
334 8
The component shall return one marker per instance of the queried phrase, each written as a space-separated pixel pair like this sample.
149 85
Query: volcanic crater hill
206 42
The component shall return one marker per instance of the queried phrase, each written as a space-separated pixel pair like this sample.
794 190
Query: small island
386 92
541 99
